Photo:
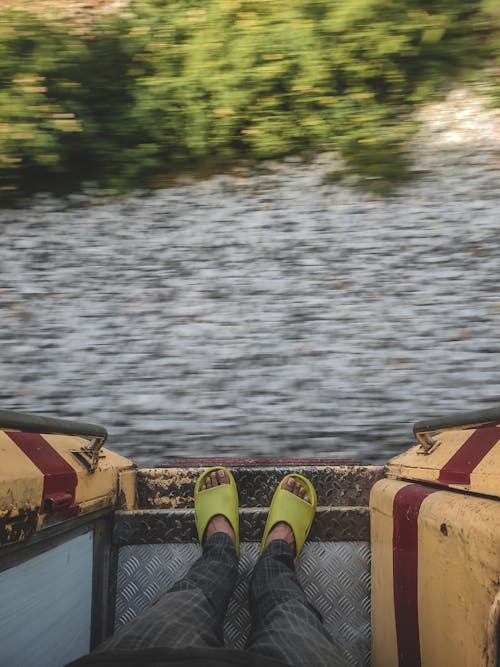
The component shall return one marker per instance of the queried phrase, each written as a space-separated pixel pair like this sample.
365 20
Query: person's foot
282 531
219 523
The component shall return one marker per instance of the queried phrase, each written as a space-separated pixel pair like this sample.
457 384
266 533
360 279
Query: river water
272 314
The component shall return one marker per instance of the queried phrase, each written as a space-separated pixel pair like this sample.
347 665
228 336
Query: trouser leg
284 625
192 612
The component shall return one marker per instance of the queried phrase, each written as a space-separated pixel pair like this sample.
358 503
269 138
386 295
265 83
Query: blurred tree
165 85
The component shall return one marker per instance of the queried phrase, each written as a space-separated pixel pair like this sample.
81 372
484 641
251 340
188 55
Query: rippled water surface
270 315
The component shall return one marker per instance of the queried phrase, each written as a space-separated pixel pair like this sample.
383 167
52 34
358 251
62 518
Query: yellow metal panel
384 641
458 576
486 476
492 656
103 483
34 477
21 482
421 465
127 489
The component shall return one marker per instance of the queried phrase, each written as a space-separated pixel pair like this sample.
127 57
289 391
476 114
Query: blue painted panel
45 608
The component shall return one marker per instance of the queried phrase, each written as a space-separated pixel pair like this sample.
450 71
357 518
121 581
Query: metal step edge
331 524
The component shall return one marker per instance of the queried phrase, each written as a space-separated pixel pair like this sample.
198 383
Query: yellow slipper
220 499
293 510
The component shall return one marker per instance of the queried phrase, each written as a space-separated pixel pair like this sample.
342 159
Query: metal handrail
30 423
425 428
22 421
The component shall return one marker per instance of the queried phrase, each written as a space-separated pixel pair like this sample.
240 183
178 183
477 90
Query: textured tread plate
336 485
335 577
331 524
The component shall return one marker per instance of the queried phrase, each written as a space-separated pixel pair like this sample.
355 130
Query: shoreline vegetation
152 89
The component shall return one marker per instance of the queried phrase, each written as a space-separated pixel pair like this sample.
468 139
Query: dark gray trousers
284 625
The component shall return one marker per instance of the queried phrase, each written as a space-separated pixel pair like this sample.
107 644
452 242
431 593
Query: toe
213 477
297 488
208 482
222 477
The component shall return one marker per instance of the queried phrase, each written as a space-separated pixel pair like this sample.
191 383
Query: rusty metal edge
342 486
203 462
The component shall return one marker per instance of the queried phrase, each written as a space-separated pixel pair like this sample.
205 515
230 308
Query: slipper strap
294 511
221 499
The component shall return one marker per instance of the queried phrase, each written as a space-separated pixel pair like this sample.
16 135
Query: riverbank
161 88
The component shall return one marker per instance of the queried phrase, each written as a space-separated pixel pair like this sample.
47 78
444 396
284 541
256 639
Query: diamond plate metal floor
335 577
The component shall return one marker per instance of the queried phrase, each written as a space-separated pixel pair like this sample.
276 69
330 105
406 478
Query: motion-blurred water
270 315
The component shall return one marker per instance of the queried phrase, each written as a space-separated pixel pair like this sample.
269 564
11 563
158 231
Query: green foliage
38 124
171 84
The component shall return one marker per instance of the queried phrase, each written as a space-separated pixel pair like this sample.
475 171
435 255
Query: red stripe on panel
406 507
59 478
470 454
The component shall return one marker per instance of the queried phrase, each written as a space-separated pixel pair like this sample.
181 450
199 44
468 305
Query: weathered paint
459 467
18 524
91 485
465 459
59 478
127 490
21 482
451 542
42 481
336 485
459 575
